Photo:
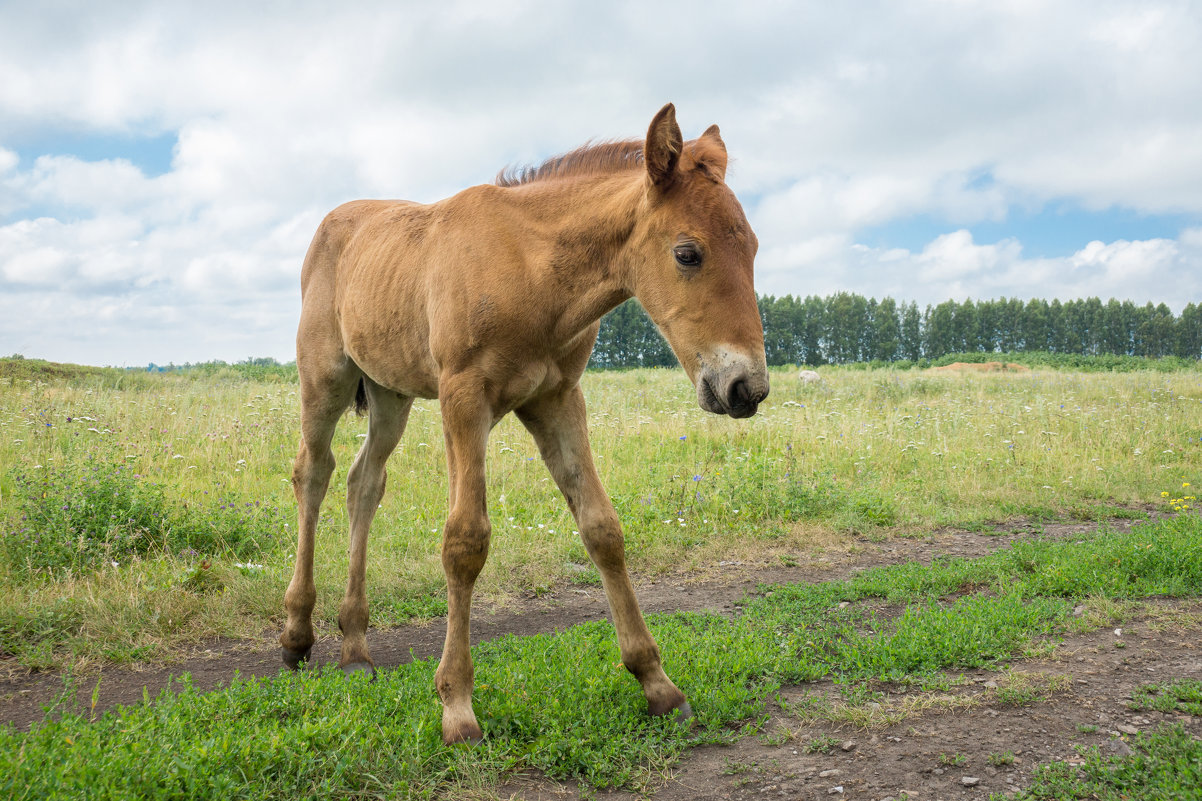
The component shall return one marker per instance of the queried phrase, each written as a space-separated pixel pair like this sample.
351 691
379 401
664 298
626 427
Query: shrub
78 518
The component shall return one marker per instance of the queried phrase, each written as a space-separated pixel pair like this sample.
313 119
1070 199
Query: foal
490 301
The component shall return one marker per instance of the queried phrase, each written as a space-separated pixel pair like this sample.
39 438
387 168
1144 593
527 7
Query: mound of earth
985 367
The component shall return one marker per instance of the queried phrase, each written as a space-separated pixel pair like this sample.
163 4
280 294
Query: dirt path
931 755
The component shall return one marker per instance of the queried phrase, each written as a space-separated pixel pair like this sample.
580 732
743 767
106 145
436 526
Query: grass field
556 703
144 512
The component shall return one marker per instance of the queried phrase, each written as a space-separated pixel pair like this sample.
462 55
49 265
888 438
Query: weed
1163 764
823 744
1025 689
734 767
81 517
1183 695
780 736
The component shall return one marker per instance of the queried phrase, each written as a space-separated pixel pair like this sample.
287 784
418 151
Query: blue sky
162 168
1055 230
150 153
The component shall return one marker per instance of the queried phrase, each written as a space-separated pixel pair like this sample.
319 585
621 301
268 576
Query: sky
164 165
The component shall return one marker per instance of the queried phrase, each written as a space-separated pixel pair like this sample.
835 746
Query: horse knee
465 548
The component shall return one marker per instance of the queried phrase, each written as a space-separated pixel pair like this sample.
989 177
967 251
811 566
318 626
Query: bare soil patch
964 733
985 367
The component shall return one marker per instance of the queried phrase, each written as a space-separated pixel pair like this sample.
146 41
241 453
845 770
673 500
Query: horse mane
590 159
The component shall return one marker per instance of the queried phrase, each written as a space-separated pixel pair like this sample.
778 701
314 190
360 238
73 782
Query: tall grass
865 453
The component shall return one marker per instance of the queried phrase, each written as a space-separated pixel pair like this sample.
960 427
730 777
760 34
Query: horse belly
388 337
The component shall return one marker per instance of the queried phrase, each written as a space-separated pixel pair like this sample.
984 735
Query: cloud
839 119
953 266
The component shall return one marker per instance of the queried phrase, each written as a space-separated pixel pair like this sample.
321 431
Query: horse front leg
559 426
465 539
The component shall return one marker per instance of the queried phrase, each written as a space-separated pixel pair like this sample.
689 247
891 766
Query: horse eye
687 256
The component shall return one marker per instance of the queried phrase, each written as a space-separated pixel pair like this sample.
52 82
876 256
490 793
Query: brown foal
490 301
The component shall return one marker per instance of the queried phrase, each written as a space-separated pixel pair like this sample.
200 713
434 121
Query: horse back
413 290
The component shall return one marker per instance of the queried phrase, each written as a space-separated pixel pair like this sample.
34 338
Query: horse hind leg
324 398
365 488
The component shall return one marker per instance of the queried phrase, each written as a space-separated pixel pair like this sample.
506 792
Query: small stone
969 781
826 774
1117 746
850 745
1125 729
835 790
990 685
938 771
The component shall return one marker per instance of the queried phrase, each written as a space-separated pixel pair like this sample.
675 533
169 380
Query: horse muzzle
734 389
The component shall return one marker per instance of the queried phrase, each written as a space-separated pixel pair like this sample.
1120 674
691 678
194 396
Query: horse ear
662 150
712 153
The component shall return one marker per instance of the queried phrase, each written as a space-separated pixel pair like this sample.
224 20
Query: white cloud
839 118
953 266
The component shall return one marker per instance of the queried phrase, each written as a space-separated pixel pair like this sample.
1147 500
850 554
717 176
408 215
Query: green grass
562 704
1184 695
1164 766
873 453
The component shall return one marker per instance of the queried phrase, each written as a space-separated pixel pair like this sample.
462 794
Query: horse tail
361 399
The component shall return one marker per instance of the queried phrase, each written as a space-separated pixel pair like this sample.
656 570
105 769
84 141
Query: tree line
846 327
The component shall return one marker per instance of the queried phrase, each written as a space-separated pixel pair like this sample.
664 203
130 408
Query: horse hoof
463 735
360 669
681 713
293 659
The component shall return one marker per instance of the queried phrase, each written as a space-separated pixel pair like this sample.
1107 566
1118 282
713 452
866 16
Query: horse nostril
740 395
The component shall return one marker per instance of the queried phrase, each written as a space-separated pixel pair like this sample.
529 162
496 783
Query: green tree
939 337
911 332
1189 332
887 336
812 327
1035 325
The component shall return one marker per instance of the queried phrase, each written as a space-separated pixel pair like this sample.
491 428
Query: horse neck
586 224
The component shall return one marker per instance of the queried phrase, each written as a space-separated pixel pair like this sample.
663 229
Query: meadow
145 513
142 513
